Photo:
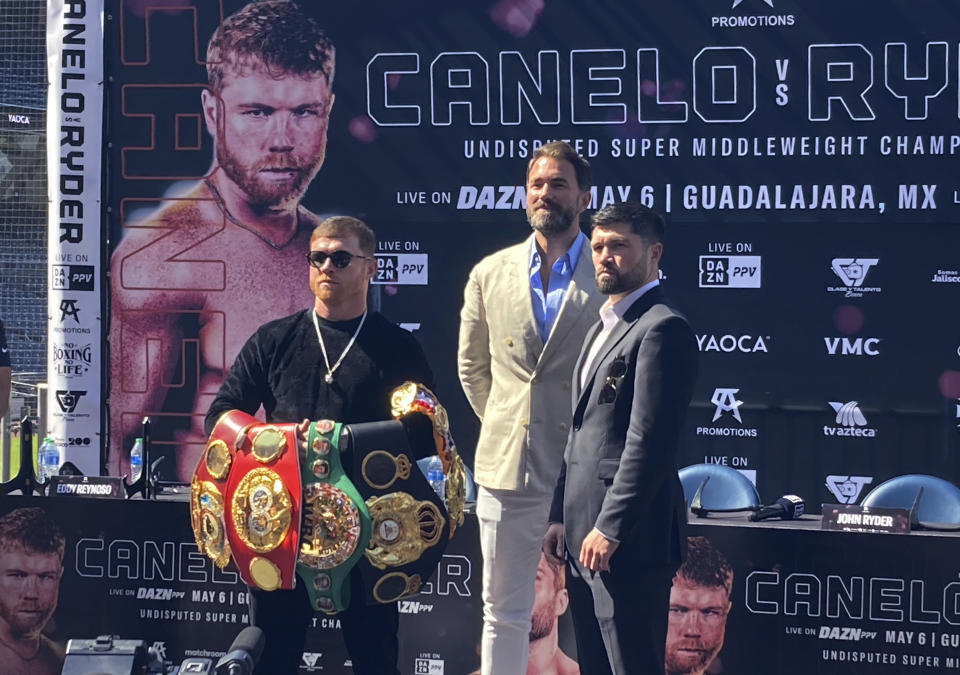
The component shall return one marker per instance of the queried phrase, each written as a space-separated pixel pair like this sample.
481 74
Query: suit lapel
630 317
521 304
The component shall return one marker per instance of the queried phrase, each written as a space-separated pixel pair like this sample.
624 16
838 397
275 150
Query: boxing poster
140 568
756 599
801 153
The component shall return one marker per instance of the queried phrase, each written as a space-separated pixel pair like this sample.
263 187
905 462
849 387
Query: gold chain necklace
223 207
328 378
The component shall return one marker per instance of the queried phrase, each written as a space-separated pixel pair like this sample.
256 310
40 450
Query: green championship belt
336 522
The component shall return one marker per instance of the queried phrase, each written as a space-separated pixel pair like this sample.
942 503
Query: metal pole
42 392
5 448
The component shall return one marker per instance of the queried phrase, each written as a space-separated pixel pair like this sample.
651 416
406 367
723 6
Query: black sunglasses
340 259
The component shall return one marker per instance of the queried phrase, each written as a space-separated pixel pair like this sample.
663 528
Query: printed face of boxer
550 600
29 584
271 132
696 628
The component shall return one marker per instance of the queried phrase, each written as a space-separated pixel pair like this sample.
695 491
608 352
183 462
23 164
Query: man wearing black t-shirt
335 361
4 373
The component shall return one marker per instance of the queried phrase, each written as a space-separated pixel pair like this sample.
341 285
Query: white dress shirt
610 314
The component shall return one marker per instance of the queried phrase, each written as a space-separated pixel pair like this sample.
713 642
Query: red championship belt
262 497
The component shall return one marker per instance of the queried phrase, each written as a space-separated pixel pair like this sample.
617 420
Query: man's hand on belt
302 430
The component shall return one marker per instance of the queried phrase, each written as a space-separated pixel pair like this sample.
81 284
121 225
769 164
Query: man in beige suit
525 315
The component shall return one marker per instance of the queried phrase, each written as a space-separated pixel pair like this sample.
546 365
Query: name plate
856 518
105 487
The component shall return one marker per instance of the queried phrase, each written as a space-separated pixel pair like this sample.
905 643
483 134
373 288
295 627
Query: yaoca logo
745 344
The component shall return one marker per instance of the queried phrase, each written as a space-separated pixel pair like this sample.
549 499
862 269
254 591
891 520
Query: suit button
525 423
563 426
565 386
508 342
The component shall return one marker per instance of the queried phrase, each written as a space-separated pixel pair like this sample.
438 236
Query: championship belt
415 398
336 523
278 513
265 501
409 533
248 482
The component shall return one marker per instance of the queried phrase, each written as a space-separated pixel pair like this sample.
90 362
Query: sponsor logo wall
801 155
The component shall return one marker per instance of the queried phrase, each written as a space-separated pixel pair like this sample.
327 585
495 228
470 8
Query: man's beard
25 625
265 193
552 220
541 623
681 666
616 282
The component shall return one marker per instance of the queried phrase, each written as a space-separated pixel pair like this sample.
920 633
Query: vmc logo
844 346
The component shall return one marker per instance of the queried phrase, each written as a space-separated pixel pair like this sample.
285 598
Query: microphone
787 507
244 653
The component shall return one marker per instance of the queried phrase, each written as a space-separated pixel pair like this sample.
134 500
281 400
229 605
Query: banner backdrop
801 152
74 126
132 569
801 601
806 601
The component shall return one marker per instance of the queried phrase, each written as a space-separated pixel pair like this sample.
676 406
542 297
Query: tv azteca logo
726 401
853 272
850 421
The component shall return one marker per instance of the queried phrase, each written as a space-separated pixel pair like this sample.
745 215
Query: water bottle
436 478
48 459
136 460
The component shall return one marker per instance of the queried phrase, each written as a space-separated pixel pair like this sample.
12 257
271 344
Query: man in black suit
618 512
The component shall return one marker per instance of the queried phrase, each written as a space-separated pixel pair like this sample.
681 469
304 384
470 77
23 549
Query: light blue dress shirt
546 304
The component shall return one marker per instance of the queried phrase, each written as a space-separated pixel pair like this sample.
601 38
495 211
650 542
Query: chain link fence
23 191
23 208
